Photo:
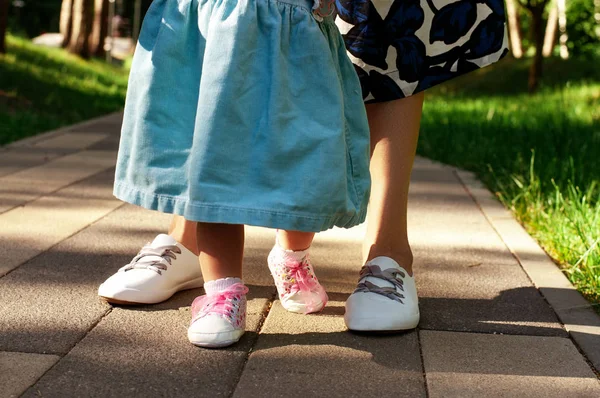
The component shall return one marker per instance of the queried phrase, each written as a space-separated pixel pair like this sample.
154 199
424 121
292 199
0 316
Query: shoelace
222 303
154 258
300 279
389 275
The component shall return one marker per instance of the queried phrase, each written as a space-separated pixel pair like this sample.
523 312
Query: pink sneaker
298 287
219 317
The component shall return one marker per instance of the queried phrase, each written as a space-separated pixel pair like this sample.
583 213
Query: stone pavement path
485 328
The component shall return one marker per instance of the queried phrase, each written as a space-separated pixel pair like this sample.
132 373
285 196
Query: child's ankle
219 285
296 255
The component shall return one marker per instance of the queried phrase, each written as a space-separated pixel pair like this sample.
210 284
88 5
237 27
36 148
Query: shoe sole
214 344
302 309
366 325
390 330
193 284
379 332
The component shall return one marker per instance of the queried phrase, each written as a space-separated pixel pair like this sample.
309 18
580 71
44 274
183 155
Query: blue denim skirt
244 112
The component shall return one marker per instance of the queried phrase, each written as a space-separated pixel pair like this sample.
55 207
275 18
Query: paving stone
144 351
106 124
30 230
110 143
19 188
45 149
49 303
583 324
20 370
574 311
466 277
109 124
315 354
19 159
474 365
71 141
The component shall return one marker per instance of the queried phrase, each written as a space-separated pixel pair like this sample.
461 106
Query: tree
562 24
536 10
66 21
584 28
514 29
99 28
551 28
84 26
3 22
83 19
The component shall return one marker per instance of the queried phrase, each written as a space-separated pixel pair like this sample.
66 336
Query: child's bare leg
295 240
184 232
219 317
221 248
298 287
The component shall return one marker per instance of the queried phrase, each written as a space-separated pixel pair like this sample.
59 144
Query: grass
45 88
539 153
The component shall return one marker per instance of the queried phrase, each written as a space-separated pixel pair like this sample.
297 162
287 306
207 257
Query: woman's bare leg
394 134
185 232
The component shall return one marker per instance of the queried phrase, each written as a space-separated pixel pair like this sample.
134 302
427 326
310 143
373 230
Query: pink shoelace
301 280
222 302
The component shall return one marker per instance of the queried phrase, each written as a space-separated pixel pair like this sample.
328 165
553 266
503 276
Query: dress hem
212 213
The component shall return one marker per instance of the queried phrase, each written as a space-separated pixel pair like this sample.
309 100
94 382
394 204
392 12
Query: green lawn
44 88
540 153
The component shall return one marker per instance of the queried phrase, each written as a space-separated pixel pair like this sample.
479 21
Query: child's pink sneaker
298 287
219 317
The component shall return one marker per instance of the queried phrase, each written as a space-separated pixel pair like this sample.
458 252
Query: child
243 112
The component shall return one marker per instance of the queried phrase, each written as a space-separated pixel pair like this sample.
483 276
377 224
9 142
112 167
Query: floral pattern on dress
402 47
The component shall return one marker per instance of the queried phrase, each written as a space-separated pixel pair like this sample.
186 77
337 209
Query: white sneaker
219 317
384 300
297 285
159 270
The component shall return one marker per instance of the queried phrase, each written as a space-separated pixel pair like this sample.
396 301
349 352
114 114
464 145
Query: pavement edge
574 311
32 140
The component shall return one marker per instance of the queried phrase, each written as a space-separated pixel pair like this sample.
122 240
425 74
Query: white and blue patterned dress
402 47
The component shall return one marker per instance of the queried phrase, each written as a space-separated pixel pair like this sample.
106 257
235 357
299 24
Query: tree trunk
100 28
562 25
597 14
537 26
551 28
514 29
3 22
83 18
66 21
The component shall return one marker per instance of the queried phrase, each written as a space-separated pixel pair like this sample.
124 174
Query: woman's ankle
404 257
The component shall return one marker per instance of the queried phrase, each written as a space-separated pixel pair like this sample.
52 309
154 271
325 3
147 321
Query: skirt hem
212 213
